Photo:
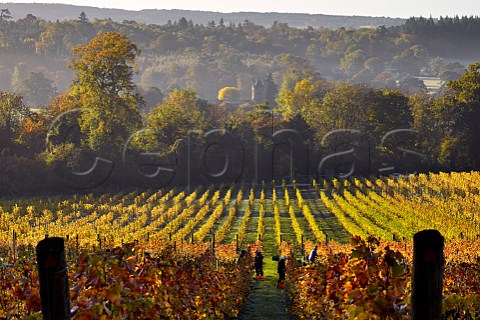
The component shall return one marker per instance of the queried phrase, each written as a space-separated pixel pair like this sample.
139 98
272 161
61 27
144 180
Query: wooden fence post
53 274
99 240
302 249
14 243
69 249
213 244
77 244
427 275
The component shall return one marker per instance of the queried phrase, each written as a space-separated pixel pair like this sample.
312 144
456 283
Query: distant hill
299 20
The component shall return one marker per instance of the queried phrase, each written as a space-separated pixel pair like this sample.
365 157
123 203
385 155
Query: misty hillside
249 79
55 12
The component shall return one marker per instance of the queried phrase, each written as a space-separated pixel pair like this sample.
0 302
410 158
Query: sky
380 8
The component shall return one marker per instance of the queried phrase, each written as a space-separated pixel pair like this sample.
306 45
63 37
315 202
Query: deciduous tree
103 83
12 114
36 89
459 112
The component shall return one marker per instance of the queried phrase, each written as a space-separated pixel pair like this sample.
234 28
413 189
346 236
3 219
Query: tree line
98 133
106 129
183 53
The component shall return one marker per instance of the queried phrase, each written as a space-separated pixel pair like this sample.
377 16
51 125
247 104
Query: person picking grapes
259 264
242 256
313 254
281 272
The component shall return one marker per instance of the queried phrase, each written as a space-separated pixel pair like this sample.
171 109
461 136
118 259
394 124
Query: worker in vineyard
313 254
242 256
281 272
259 264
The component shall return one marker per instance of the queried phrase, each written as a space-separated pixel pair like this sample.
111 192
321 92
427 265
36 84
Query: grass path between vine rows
267 301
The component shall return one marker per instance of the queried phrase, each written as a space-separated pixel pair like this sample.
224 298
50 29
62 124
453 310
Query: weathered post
14 245
302 247
77 244
427 275
99 240
69 252
213 244
52 271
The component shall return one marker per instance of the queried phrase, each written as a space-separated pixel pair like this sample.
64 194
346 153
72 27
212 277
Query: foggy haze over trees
209 57
132 87
53 12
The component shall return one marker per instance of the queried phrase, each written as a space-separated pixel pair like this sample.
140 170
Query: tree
175 116
5 14
426 120
103 83
353 62
411 85
435 64
346 107
271 90
153 96
19 74
451 71
5 79
182 23
389 111
384 80
53 41
64 137
83 17
180 117
374 65
36 89
412 59
459 114
12 114
303 101
296 69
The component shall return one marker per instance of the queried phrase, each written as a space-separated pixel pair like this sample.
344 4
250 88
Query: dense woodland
52 12
126 96
183 54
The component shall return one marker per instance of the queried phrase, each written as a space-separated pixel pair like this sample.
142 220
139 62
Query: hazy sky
390 8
